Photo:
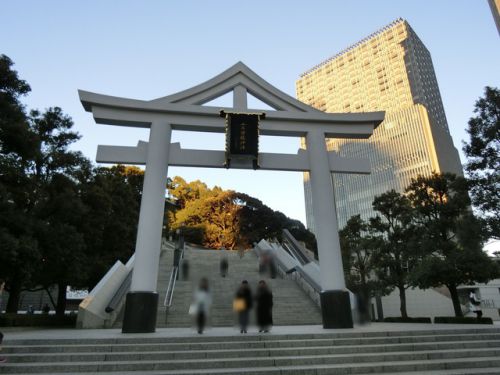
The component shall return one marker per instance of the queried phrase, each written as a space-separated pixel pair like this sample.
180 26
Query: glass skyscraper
390 70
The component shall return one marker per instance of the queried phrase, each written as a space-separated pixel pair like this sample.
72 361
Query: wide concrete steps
464 351
291 305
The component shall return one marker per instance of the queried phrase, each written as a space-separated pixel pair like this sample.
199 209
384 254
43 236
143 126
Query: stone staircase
291 305
423 351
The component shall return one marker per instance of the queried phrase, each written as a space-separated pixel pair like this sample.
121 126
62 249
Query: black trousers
201 320
243 317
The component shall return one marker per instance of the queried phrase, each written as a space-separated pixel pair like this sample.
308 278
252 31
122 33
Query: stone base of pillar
336 309
140 312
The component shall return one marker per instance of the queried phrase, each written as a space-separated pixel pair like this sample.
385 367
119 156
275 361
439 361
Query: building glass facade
392 71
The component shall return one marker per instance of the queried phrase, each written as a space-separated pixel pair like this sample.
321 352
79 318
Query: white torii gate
185 111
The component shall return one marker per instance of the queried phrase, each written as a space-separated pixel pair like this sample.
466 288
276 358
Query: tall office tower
390 70
495 10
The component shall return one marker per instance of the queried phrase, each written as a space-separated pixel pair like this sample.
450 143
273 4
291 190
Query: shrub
398 319
461 320
194 234
37 320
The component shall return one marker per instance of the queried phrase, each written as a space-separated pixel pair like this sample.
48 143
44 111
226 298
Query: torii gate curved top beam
190 102
185 111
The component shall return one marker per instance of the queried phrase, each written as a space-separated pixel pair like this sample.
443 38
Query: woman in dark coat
245 294
264 299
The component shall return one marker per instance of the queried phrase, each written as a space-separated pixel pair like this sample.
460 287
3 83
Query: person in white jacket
201 304
475 305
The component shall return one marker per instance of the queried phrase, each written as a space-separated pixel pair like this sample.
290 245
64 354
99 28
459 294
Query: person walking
201 304
242 304
475 305
185 269
264 299
224 263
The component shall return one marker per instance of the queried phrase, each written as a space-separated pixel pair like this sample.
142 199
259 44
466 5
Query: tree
111 198
62 244
19 255
61 221
483 164
216 217
54 200
14 131
358 258
395 242
451 237
184 192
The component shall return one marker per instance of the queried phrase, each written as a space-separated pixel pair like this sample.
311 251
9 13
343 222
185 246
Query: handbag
192 309
239 304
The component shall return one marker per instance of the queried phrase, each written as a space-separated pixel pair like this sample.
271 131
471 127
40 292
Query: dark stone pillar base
336 309
140 312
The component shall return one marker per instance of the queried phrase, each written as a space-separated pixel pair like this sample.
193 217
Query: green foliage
450 236
61 221
19 253
226 218
14 132
396 243
427 237
483 159
109 226
194 234
358 257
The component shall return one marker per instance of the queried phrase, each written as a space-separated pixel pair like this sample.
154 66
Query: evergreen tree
19 255
483 159
111 198
358 251
218 218
396 243
450 236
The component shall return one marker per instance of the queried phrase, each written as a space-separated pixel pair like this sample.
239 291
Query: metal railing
303 280
294 248
167 303
309 280
170 289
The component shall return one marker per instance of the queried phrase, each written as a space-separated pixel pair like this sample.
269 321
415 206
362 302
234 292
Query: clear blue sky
148 49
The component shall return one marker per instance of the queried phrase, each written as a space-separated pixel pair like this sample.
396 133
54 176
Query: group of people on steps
243 303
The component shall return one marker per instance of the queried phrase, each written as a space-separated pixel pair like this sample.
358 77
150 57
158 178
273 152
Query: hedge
461 320
37 320
398 319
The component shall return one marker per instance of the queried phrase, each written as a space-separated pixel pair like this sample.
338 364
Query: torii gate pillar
186 111
141 305
335 302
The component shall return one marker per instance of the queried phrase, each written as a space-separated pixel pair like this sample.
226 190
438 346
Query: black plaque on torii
242 136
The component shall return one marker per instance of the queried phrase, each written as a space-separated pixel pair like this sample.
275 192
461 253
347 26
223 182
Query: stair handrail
173 275
295 248
170 289
313 284
303 280
303 274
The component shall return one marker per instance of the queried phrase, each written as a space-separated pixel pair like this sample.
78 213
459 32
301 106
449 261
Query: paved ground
17 333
